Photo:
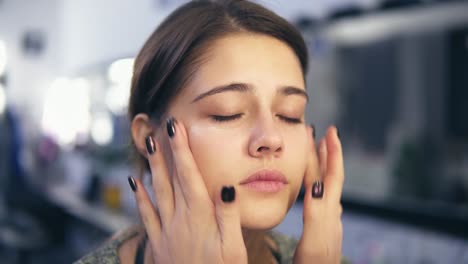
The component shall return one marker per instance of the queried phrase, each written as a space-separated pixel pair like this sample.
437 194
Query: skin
262 128
260 138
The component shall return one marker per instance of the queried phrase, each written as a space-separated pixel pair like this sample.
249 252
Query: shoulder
108 253
287 246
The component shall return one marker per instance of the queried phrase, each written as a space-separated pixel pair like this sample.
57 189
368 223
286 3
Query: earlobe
140 129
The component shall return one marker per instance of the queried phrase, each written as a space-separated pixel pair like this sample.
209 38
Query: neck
252 237
258 250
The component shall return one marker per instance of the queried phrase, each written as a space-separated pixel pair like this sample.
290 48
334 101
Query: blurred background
393 76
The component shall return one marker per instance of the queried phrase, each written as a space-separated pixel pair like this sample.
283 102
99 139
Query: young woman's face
252 122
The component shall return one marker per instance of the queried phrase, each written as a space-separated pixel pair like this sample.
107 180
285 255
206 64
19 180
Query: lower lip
265 186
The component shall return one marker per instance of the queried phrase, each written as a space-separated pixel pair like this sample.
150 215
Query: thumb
228 219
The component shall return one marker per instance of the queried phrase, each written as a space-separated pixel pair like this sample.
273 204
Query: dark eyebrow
290 90
242 87
236 87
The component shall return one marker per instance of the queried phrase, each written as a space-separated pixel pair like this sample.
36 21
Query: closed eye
290 119
219 118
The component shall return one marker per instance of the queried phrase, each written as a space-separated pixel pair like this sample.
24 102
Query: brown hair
174 51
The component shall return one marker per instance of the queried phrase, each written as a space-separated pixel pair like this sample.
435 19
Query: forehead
260 60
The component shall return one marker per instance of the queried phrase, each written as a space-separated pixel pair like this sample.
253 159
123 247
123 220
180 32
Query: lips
265 181
266 175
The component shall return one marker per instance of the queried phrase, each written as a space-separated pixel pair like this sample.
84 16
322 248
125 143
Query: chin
263 214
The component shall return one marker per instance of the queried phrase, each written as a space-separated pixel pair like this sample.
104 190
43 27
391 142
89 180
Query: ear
141 128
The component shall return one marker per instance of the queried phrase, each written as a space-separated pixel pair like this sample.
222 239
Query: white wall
100 31
28 76
78 34
17 17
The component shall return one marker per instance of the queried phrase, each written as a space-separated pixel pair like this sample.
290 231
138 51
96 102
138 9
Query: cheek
215 151
296 154
221 160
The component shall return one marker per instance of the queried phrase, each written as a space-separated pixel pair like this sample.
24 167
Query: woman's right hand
185 225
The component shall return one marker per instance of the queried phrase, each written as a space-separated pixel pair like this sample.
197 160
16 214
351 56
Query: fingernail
170 127
338 133
132 183
228 194
313 130
150 146
317 189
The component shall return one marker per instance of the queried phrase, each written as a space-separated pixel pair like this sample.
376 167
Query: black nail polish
313 130
228 194
132 183
317 189
150 146
170 127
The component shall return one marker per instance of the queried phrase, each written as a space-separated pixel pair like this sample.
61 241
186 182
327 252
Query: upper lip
266 175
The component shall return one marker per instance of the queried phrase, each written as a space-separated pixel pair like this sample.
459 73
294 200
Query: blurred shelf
435 216
381 25
102 218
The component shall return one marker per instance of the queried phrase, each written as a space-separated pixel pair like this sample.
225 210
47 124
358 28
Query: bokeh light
66 112
3 57
120 75
101 129
2 99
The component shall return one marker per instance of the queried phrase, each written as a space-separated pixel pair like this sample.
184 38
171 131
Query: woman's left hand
322 231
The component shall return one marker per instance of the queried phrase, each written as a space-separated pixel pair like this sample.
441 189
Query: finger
312 211
187 173
229 225
334 175
308 213
323 157
312 176
312 171
162 186
148 213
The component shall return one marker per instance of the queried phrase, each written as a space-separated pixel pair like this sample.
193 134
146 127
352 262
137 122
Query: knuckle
160 191
145 208
199 193
182 170
145 219
176 144
183 167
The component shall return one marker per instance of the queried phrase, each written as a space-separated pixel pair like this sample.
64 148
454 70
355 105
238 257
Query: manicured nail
170 127
150 146
228 194
313 130
317 189
132 183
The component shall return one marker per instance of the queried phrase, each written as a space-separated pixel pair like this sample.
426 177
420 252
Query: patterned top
108 253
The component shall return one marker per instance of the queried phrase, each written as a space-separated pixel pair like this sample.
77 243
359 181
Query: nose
266 139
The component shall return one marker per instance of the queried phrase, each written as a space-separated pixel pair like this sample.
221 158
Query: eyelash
218 118
291 120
